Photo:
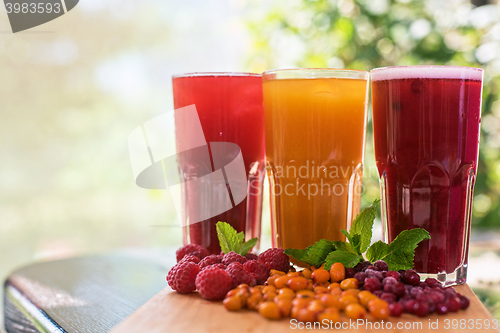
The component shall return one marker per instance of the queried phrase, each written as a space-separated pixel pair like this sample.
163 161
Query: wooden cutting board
169 311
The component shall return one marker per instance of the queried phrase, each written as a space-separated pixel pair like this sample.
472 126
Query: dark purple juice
426 129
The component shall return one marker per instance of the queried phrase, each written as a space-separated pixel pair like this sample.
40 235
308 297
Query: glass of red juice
426 124
229 106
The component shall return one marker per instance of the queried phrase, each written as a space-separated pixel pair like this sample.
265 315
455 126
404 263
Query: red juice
426 122
230 109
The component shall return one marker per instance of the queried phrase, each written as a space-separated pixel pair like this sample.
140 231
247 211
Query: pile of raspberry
213 275
404 291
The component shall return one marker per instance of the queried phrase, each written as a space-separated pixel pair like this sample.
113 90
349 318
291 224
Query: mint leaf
241 237
363 225
228 237
347 235
345 246
399 254
247 246
314 255
348 259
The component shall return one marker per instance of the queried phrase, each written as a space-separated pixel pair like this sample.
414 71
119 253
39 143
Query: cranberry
398 289
441 309
432 307
409 304
411 277
416 291
366 264
349 273
464 302
436 297
380 265
392 274
423 285
378 293
372 284
421 309
453 304
373 273
389 281
388 297
360 276
359 267
431 282
396 309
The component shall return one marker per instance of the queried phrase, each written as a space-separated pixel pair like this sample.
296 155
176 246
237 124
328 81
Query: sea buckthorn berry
232 303
316 306
287 292
285 306
269 310
276 272
337 272
297 283
329 300
306 273
330 314
293 274
320 275
365 297
305 294
351 283
281 282
269 296
268 289
243 285
353 292
300 302
333 285
336 291
270 280
306 315
320 290
255 291
346 300
355 311
379 309
254 300
232 292
243 294
310 285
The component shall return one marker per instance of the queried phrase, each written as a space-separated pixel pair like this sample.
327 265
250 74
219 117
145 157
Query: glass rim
225 74
314 73
427 72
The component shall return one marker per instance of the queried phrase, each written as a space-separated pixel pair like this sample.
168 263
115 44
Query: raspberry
182 277
233 257
210 260
251 256
194 249
239 275
275 259
221 266
213 283
190 257
256 269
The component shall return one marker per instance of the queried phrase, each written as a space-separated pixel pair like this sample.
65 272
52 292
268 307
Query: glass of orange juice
315 122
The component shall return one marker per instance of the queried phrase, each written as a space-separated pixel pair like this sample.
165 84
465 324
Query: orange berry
337 272
346 300
329 300
351 283
255 291
316 306
297 283
353 292
293 274
365 296
336 291
379 308
306 273
276 272
355 311
305 294
330 314
286 292
285 306
268 289
320 290
232 292
254 300
320 275
269 310
333 285
269 296
300 302
306 315
232 303
310 285
271 279
281 282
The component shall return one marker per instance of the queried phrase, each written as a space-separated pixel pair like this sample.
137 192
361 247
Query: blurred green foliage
365 34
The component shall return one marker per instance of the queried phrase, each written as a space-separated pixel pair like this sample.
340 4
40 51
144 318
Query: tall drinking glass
426 132
315 123
229 106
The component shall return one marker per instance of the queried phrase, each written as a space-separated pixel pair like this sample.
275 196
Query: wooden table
126 292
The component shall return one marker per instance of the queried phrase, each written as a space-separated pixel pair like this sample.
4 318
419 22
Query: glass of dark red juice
426 123
230 111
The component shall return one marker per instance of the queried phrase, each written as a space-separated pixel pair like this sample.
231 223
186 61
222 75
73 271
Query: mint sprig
399 254
231 240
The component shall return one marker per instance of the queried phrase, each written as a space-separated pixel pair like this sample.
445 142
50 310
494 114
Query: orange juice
315 133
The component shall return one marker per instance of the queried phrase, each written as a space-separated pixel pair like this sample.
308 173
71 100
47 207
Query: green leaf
399 254
347 235
339 245
348 259
247 246
241 237
314 255
228 237
363 225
